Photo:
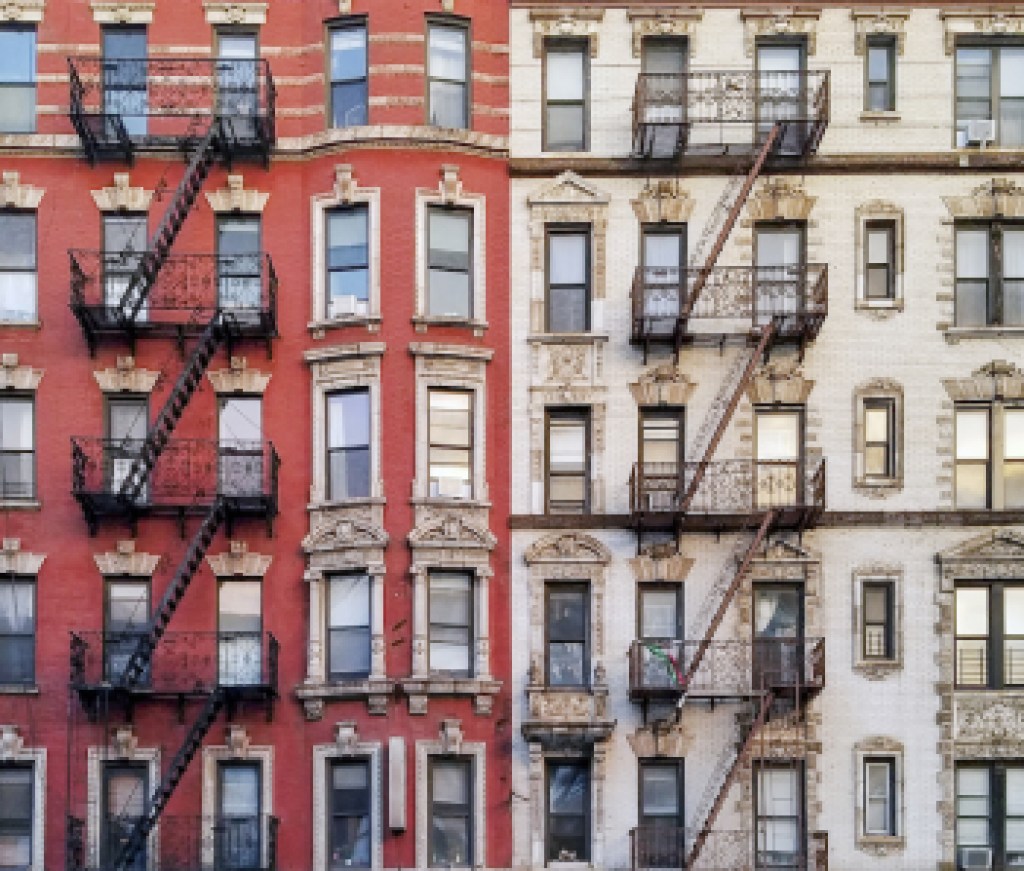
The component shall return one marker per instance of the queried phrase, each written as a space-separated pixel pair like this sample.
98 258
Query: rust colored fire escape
240 125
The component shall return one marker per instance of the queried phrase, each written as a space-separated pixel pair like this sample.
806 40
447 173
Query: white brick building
897 741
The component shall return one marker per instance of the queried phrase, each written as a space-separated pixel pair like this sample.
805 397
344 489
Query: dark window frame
113 635
337 674
344 449
549 815
451 22
334 813
471 451
223 860
887 405
888 626
32 582
801 810
329 270
891 811
677 765
585 230
995 641
467 213
581 414
24 826
566 45
451 810
238 266
582 589
997 816
469 626
120 77
646 413
995 280
30 83
32 490
675 587
998 453
888 266
355 22
880 42
24 214
111 768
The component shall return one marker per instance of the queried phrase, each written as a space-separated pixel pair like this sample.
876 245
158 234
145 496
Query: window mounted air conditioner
340 306
980 132
975 857
454 488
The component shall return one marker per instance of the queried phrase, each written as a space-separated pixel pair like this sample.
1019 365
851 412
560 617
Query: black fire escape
208 111
754 123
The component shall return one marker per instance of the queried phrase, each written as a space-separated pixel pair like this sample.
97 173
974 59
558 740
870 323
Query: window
237 829
348 261
781 65
879 795
348 444
125 621
990 87
663 249
779 458
989 635
664 56
990 815
240 633
127 420
879 438
661 457
451 443
450 648
349 93
124 78
568 811
566 95
240 446
448 74
125 796
17 631
449 262
661 840
349 822
877 631
125 240
568 276
237 80
16 803
568 622
778 817
568 458
239 263
348 628
989 468
880 74
451 808
18 266
990 275
880 260
17 451
660 611
17 80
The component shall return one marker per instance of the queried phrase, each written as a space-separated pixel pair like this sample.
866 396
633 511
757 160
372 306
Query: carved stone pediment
220 13
122 197
15 561
569 189
565 21
663 200
985 20
343 532
25 11
995 721
239 563
780 200
680 21
999 545
999 197
999 379
567 547
11 742
880 21
125 561
779 549
788 21
126 378
779 383
452 530
121 12
662 385
652 567
236 197
238 378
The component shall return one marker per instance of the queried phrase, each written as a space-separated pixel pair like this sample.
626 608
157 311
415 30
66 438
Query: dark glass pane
350 651
17 607
349 473
566 615
17 240
348 53
450 841
567 310
564 128
347 238
349 104
350 842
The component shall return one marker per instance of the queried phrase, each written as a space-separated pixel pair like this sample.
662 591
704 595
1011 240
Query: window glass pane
776 612
449 238
566 614
17 607
658 618
565 128
1011 72
16 424
448 104
17 55
664 56
239 790
972 434
567 443
450 418
451 784
567 310
240 606
1013 433
348 419
348 53
972 611
1013 253
972 253
449 294
878 246
128 605
18 240
241 420
876 423
450 598
660 790
1013 610
875 603
662 250
349 775
350 600
972 486
778 436
349 103
878 62
350 651
347 238
568 789
565 73
567 258
447 52
1015 792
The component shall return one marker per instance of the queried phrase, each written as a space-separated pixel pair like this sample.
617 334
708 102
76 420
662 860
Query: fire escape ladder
170 225
138 662
701 279
137 839
159 433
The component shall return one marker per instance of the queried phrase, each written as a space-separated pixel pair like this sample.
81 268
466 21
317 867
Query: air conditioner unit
980 132
454 488
340 306
975 857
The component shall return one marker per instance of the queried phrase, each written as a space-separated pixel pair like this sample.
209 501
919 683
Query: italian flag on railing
671 663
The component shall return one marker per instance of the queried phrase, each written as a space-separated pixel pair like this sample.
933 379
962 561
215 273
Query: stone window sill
420 688
955 334
14 689
422 322
449 502
881 845
20 505
567 338
319 327
878 486
342 504
22 325
887 116
893 304
877 669
375 690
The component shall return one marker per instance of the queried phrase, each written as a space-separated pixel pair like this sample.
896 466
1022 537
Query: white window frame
872 750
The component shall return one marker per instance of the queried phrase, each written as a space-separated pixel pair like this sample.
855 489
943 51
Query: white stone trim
237 748
449 192
220 13
986 20
878 210
125 562
13 750
17 377
238 378
15 195
477 752
122 197
581 22
879 845
877 669
15 561
238 562
126 378
122 12
879 21
23 11
235 197
347 746
346 191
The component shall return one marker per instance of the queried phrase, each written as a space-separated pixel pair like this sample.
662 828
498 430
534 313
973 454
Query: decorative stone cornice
995 546
779 383
238 378
234 13
125 378
566 21
678 21
652 567
342 532
237 741
122 197
568 547
780 200
11 742
461 352
998 198
450 184
662 385
120 12
781 21
125 561
15 561
997 380
569 189
237 198
986 20
345 184
344 6
663 200
879 21
22 11
452 530
16 377
238 562
15 195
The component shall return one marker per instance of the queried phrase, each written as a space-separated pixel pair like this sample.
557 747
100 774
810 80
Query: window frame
109 631
583 589
584 415
469 627
337 209
996 458
586 817
994 45
222 766
570 229
332 813
995 278
566 45
887 405
336 675
674 764
888 227
997 816
676 588
329 451
995 640
140 126
887 44
33 317
888 627
355 22
454 811
10 827
466 213
32 582
471 451
889 763
29 83
450 22
800 818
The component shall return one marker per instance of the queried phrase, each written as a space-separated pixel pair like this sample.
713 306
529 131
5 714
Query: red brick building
256 471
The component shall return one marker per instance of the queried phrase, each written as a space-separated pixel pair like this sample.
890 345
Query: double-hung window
565 95
990 814
448 74
879 438
126 620
17 80
880 74
451 812
450 453
451 623
778 819
348 626
880 795
449 262
18 266
17 448
989 624
568 279
125 79
16 804
349 93
568 811
660 839
990 275
568 461
349 814
879 260
568 635
990 95
989 456
348 261
348 444
878 620
17 630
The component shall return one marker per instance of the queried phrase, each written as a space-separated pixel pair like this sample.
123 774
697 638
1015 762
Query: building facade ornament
126 378
665 384
22 11
233 13
679 21
779 383
997 198
239 378
980 20
239 562
126 561
663 200
121 12
879 21
15 195
235 197
778 199
573 22
789 21
15 561
998 380
122 197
